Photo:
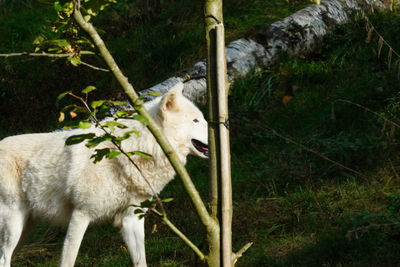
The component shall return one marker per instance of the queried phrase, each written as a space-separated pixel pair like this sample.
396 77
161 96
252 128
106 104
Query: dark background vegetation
297 207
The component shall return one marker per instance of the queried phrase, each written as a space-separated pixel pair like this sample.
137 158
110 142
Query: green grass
298 208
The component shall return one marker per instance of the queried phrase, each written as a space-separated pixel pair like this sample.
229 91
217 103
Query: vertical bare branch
221 188
225 161
213 16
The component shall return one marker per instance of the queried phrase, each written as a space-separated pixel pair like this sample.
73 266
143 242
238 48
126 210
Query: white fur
42 177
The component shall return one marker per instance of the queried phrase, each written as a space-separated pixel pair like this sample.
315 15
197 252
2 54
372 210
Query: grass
298 208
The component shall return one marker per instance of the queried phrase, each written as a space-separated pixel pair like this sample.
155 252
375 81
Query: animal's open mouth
201 147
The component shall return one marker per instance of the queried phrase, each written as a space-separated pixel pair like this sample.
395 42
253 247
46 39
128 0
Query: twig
237 255
363 229
367 109
43 54
179 234
310 150
93 67
393 169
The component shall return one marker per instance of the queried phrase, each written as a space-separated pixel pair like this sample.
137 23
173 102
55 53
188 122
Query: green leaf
98 103
113 154
84 124
141 118
128 133
151 93
104 152
94 7
125 136
142 154
84 40
57 50
139 153
139 211
57 6
61 42
62 6
88 89
122 113
76 139
62 95
114 124
75 60
100 154
154 94
86 17
95 141
148 203
166 200
70 125
118 103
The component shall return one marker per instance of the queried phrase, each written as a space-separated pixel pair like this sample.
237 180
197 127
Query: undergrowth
298 207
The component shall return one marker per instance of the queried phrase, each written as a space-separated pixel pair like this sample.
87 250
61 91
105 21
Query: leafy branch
116 141
75 59
44 54
94 140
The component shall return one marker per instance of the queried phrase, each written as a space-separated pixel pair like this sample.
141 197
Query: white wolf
42 177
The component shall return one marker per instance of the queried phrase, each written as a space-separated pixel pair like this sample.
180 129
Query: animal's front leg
133 234
76 229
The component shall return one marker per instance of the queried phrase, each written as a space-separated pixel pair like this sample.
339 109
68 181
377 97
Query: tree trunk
294 35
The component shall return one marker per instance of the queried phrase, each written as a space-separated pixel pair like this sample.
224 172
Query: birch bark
294 35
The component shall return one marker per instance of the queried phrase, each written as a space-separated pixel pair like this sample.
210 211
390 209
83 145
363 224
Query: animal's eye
196 120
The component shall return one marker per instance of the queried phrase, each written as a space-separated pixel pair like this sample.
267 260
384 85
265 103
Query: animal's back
35 171
15 153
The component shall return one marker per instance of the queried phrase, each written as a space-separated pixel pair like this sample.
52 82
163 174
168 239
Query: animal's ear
178 88
170 100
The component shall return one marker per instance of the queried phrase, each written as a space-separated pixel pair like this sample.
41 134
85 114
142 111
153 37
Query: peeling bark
297 34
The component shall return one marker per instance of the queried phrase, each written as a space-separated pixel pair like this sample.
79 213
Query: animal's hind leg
133 234
28 226
12 222
76 229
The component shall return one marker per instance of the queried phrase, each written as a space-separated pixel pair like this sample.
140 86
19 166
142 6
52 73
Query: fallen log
295 35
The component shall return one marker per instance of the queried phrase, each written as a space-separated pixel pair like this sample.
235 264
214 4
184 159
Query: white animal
42 177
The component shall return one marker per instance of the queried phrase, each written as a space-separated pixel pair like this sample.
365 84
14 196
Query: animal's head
183 123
